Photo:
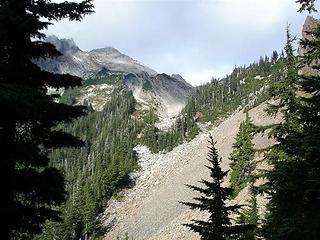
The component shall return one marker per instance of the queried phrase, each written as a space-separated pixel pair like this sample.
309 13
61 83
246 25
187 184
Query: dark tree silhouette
31 189
307 5
293 183
218 226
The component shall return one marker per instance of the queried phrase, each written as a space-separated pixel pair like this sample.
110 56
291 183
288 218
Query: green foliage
32 190
95 172
158 140
213 199
293 183
104 77
307 5
246 86
69 97
242 157
278 219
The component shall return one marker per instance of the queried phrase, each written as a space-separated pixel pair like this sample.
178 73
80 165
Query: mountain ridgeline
167 94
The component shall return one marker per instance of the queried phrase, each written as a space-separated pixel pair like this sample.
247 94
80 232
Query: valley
97 145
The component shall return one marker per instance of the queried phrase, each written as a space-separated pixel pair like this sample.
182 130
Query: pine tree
241 158
218 226
31 188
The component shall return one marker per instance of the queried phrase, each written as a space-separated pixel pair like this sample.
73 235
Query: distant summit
87 64
63 45
107 50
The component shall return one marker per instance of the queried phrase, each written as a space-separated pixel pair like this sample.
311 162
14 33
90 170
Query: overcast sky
196 38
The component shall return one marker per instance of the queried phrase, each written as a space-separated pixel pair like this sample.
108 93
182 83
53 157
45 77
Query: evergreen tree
289 184
241 158
308 5
307 141
218 226
31 188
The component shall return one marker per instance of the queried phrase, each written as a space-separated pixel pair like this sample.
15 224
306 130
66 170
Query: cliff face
309 24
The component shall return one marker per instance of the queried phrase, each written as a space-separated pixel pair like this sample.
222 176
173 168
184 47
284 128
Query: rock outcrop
309 24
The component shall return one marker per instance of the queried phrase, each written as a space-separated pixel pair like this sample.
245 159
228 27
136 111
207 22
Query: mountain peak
63 45
85 64
106 50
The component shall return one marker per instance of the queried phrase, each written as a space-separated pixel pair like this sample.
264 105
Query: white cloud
247 14
194 38
197 78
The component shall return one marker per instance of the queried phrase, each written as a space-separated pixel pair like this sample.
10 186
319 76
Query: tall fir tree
219 225
308 139
31 189
287 185
242 157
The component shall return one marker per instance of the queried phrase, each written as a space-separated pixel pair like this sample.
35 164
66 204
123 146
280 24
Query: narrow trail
151 209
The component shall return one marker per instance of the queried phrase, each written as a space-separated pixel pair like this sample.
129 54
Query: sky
197 39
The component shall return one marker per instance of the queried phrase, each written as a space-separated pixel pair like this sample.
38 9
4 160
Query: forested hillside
94 172
246 86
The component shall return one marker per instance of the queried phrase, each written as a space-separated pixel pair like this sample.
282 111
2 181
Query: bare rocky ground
151 210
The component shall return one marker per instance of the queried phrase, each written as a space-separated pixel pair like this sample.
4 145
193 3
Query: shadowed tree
31 189
307 5
242 157
293 183
218 226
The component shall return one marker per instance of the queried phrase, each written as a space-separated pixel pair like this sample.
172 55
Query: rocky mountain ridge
86 64
166 94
